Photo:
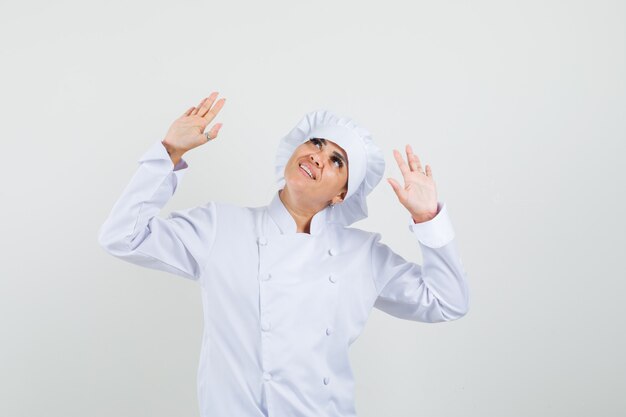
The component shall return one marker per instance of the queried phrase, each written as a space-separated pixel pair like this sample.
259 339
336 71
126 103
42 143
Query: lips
303 166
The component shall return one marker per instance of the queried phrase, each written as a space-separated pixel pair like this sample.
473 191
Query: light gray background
519 106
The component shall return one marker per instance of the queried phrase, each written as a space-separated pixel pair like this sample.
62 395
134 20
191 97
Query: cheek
292 161
341 178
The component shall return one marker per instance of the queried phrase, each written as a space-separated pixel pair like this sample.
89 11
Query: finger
404 168
188 112
197 108
213 112
429 171
414 160
208 102
410 157
214 131
396 188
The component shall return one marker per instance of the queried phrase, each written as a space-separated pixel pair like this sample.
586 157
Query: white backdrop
518 106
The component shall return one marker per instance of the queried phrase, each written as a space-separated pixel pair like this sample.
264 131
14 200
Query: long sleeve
436 291
179 244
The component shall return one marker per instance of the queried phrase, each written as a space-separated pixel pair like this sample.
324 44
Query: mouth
307 170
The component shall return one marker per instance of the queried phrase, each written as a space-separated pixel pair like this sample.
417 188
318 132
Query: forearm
445 278
152 185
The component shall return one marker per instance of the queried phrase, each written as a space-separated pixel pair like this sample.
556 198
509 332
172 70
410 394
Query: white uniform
280 308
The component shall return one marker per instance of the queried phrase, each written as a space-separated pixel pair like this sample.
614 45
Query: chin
296 180
297 187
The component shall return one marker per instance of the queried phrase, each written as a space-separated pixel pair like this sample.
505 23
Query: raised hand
419 194
187 132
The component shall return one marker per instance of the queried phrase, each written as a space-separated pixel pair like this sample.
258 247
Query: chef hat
366 164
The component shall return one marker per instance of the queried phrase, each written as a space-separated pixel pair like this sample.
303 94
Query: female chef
288 287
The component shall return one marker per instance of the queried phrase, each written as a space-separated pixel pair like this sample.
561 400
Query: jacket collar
287 225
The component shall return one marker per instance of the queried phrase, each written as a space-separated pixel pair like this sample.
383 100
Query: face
327 178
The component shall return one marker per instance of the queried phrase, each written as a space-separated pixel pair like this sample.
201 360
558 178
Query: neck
301 214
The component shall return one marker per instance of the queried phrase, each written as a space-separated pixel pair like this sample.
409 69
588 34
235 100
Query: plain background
518 106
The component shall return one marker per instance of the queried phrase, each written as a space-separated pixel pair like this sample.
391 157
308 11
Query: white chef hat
366 164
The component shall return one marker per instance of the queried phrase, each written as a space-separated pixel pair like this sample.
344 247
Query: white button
262 240
266 276
332 278
332 251
329 330
265 325
267 376
326 380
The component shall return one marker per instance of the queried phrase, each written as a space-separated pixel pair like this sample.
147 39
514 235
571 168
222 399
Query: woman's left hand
419 194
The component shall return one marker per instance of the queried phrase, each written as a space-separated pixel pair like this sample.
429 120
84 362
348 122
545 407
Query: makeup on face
337 158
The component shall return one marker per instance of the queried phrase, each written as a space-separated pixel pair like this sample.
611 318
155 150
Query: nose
316 159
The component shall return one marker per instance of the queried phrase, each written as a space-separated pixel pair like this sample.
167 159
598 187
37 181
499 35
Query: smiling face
317 172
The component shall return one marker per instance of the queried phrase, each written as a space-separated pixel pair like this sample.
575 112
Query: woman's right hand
187 132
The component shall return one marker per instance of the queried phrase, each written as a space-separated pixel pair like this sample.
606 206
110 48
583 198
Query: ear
339 197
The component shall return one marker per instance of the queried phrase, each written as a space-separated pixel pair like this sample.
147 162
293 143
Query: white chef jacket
281 308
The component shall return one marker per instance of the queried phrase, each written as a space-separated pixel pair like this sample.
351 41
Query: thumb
396 188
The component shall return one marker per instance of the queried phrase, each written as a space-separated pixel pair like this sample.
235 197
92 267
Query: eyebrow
337 154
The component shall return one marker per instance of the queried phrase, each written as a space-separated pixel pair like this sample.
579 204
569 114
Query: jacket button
266 276
267 376
329 330
332 278
332 251
326 380
265 325
262 240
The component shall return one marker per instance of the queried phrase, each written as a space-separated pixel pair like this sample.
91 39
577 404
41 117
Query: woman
288 287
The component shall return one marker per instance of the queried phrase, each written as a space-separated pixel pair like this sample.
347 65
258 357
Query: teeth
304 167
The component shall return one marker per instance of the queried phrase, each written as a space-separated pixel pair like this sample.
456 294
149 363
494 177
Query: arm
179 244
435 292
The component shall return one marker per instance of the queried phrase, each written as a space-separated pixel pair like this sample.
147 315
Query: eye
316 142
337 161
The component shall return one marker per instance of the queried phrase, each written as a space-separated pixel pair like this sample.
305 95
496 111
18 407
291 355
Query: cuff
435 232
180 165
158 152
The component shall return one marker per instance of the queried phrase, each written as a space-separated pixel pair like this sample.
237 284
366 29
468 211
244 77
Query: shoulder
228 211
356 234
227 206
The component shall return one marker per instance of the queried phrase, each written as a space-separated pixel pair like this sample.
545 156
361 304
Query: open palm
187 131
419 194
